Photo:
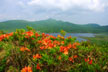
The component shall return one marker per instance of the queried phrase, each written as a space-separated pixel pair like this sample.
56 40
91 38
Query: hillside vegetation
51 25
31 51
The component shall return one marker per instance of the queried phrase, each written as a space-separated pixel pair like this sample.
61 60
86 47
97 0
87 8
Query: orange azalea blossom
61 48
47 44
43 35
69 45
59 36
1 37
37 35
47 34
39 41
26 36
59 58
5 36
51 36
62 37
75 44
10 34
29 33
69 37
27 69
37 56
62 42
65 52
24 49
46 41
38 67
88 60
64 49
42 47
70 59
75 56
51 45
56 42
32 38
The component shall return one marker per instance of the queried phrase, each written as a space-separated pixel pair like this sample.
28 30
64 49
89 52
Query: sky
75 11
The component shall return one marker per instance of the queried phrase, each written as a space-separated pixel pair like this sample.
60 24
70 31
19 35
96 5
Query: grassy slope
99 40
51 25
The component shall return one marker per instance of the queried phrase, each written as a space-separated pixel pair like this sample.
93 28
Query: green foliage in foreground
38 52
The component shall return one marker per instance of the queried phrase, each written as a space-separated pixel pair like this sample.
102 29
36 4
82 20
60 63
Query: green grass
100 40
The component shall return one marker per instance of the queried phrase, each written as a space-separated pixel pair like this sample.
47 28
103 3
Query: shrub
32 51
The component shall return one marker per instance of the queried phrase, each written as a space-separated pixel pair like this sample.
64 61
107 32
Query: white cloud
21 4
95 5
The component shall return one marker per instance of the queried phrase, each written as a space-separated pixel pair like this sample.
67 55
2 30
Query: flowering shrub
33 51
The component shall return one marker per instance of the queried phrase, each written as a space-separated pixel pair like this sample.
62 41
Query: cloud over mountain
77 11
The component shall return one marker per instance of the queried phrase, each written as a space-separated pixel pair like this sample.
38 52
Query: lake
77 35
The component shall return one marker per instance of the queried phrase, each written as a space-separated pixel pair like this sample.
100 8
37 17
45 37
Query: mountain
52 25
92 25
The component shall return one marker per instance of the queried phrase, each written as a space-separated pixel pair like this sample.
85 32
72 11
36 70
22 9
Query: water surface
77 35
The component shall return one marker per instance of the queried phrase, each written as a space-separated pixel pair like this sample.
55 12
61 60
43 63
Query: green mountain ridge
52 25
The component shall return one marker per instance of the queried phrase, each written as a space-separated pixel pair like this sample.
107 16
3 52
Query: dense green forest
51 25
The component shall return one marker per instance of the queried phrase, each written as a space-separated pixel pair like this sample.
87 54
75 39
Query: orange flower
70 59
0 39
47 34
86 60
38 67
10 34
61 48
75 56
59 57
59 36
27 69
42 47
51 45
37 56
75 44
65 52
56 42
51 36
39 41
43 34
69 45
37 35
62 42
24 49
29 33
27 49
26 36
69 37
90 62
32 38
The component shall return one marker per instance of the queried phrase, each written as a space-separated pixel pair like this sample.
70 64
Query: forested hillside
51 25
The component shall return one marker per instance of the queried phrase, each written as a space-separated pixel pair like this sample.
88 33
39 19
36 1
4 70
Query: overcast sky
75 11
